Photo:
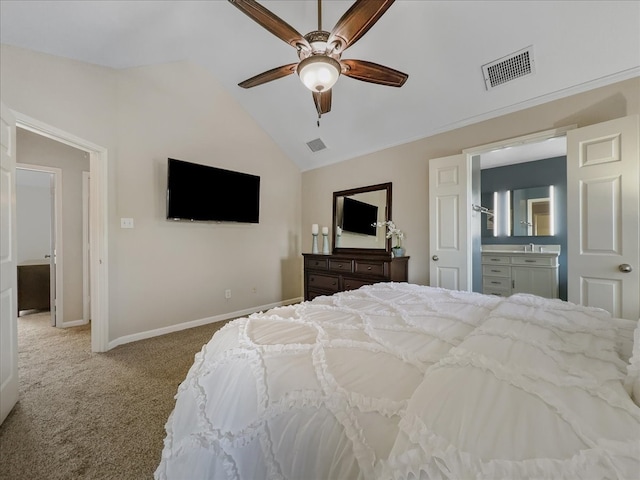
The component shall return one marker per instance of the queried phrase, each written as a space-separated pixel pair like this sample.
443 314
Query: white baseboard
197 323
74 323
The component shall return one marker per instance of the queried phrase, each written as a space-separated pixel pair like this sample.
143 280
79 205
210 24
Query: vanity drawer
496 282
354 283
370 268
317 263
496 271
496 259
341 265
323 281
534 261
498 292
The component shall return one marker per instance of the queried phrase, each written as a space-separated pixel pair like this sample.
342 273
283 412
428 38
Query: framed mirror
355 213
533 212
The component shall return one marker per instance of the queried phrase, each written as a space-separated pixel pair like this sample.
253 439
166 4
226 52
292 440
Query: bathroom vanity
509 269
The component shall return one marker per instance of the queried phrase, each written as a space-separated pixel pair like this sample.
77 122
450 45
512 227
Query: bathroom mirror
533 212
354 213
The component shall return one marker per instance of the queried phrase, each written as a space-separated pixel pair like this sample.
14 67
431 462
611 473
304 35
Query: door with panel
8 266
603 186
449 222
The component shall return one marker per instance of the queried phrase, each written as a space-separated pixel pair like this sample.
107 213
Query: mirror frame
362 251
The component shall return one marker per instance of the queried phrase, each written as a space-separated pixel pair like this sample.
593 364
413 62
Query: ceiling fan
319 52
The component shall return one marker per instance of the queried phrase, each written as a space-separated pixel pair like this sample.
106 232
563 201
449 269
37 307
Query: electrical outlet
126 223
227 294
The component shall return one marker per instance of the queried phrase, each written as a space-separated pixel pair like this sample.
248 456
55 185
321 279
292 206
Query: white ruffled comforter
404 381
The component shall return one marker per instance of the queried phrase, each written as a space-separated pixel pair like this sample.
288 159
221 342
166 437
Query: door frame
535 137
98 219
86 249
57 287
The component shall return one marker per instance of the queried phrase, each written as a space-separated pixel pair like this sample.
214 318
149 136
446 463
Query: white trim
523 140
57 289
197 323
86 284
99 231
74 323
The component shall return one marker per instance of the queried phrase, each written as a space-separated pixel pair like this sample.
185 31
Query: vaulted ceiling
441 45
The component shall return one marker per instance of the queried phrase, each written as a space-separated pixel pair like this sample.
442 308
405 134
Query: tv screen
204 193
359 217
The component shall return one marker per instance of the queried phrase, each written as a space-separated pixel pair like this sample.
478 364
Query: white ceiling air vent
505 69
316 145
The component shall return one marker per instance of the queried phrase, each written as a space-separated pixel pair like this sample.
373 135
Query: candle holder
325 243
314 244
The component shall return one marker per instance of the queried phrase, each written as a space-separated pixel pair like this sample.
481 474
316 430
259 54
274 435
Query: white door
8 266
449 222
603 202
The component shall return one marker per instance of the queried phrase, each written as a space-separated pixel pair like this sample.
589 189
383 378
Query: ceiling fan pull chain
319 117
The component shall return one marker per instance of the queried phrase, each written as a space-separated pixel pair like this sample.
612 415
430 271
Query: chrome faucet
531 247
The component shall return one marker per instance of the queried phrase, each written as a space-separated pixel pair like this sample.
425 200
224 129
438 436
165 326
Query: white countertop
551 250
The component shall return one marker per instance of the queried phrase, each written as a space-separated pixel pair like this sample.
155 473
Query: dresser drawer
496 282
496 271
369 268
323 281
340 265
355 283
534 261
317 263
496 259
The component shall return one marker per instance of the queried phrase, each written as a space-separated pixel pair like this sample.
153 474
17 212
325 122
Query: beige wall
163 273
37 150
406 166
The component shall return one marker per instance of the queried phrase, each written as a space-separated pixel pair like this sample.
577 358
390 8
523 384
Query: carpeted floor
84 415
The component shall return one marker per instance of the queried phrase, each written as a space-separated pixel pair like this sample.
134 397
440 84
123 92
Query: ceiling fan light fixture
319 72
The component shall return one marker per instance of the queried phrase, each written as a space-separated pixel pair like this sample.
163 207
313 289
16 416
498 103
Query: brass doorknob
625 268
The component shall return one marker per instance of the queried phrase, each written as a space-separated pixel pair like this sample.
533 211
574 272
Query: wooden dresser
328 274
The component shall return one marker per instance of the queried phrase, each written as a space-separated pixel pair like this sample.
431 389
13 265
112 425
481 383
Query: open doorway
50 225
523 189
97 214
38 192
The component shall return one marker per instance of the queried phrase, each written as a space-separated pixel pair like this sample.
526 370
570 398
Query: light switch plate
126 223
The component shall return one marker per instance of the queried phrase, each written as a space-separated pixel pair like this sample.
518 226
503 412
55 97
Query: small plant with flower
392 231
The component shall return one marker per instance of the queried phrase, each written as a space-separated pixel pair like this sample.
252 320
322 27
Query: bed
403 381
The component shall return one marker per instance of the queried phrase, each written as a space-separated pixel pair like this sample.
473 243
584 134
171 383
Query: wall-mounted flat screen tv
210 194
359 217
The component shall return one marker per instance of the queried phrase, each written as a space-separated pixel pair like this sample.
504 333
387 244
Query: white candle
314 229
325 230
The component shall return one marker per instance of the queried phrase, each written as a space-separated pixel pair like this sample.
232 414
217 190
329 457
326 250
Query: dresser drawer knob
369 268
495 271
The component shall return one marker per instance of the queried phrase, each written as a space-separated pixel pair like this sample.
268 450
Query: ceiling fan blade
269 75
322 101
357 21
373 73
271 22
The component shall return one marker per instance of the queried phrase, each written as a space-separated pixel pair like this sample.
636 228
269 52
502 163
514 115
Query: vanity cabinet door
538 281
